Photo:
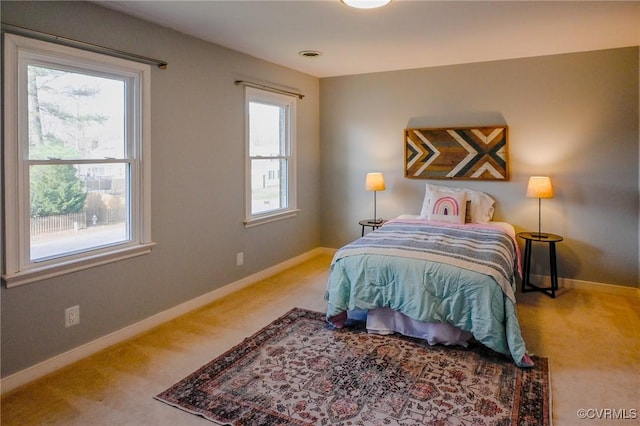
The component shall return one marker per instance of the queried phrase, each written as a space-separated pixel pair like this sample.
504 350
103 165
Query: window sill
248 223
62 268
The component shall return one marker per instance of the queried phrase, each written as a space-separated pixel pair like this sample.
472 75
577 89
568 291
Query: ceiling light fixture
309 53
366 4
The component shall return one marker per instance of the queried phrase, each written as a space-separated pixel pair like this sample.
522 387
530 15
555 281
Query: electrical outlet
239 259
72 316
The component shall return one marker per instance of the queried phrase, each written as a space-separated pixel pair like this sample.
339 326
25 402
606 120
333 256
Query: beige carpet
592 340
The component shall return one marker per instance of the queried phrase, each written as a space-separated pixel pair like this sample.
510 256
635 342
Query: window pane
268 185
266 133
74 115
77 207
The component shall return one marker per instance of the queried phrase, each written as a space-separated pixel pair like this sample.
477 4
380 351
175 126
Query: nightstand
550 240
368 223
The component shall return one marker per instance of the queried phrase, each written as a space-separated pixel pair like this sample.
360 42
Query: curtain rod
14 29
269 88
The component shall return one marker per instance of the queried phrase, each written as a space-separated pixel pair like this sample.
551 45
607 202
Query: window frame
290 104
18 268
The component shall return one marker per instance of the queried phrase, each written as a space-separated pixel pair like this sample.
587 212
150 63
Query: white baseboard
571 284
50 365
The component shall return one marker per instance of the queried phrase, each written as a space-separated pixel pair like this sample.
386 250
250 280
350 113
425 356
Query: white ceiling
402 35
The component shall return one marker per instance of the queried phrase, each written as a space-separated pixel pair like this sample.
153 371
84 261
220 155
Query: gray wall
197 195
573 117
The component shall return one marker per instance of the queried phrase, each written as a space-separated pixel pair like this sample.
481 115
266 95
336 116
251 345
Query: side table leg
527 264
554 269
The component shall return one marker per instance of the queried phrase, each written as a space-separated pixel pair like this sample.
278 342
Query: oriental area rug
300 371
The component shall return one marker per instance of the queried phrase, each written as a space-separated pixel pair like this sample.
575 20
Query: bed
443 279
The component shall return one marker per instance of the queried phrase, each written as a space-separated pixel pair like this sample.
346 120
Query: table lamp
375 183
539 187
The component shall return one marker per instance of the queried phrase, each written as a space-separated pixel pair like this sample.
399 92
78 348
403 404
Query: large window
270 182
76 149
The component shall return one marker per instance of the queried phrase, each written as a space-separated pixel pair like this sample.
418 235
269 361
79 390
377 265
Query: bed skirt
388 321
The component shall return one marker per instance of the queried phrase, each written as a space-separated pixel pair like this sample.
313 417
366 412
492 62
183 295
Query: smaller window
270 160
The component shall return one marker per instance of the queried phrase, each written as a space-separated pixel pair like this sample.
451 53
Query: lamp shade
539 187
375 182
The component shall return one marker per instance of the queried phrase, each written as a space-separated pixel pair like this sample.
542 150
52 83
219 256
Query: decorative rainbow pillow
448 206
479 205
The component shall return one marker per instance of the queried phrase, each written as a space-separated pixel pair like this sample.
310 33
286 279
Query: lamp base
375 221
539 235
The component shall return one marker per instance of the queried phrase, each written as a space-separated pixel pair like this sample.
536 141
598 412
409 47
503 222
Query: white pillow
448 206
480 204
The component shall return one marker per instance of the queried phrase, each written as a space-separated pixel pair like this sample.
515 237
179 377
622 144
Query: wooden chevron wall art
478 153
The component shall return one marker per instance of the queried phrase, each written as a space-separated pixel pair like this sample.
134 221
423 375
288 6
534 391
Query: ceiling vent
309 53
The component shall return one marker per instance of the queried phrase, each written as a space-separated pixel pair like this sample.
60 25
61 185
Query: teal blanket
428 290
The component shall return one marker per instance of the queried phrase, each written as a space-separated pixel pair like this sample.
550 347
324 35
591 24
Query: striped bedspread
489 251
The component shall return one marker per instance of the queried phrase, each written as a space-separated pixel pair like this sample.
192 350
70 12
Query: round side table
369 223
550 240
